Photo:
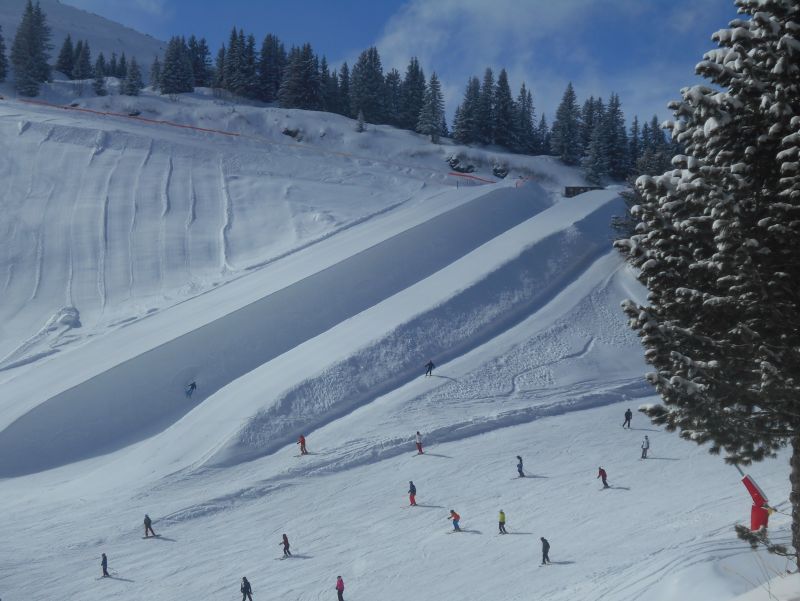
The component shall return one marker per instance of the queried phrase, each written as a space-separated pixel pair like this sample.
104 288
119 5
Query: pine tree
485 113
29 52
155 74
122 67
200 59
432 113
543 136
249 68
113 67
588 122
176 70
360 127
344 90
3 60
82 68
565 140
413 93
525 131
717 247
367 86
133 83
634 146
595 162
234 81
617 139
66 57
219 70
505 133
300 87
271 64
99 83
465 123
394 98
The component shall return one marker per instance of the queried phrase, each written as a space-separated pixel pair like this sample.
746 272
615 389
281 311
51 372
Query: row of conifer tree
593 136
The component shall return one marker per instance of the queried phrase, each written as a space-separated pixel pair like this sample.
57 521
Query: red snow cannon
759 513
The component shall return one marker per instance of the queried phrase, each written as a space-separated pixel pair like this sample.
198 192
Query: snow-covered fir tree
3 59
618 162
524 116
82 68
565 141
596 161
394 98
300 87
112 65
588 122
543 136
234 78
505 132
718 247
344 90
30 51
465 123
271 64
367 86
413 91
155 74
200 57
485 112
133 83
218 80
432 114
99 82
176 70
634 145
66 57
122 67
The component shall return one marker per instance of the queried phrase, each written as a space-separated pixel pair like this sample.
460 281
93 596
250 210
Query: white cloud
153 8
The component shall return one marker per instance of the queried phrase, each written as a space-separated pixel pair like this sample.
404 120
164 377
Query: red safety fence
470 177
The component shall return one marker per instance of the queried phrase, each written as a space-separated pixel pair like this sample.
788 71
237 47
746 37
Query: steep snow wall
145 394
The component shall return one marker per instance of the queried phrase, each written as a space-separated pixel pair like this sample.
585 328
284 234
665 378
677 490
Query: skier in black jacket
627 422
247 592
545 551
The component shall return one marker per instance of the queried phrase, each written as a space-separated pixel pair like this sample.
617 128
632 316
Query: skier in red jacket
602 474
302 442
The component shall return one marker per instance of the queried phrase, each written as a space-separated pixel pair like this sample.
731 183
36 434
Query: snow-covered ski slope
303 283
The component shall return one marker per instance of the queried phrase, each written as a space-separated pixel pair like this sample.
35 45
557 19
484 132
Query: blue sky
645 50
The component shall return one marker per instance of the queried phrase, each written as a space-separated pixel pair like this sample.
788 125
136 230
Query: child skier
645 447
246 590
412 493
418 440
602 474
302 442
285 543
455 518
148 526
519 467
503 522
429 368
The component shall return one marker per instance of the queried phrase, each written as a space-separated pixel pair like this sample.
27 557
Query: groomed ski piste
302 282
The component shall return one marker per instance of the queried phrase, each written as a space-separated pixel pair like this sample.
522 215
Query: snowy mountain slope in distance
103 35
110 219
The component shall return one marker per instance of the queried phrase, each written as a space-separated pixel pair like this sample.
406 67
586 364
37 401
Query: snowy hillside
301 274
103 35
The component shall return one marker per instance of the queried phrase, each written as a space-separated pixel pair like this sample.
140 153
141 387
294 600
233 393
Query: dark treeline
593 136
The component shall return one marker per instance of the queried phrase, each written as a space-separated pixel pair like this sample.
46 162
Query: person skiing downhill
602 474
302 442
412 493
628 417
246 590
545 551
339 588
285 543
519 467
456 519
418 440
148 526
645 447
429 368
502 522
104 565
190 389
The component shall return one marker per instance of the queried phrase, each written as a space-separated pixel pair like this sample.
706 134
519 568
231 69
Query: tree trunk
794 497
